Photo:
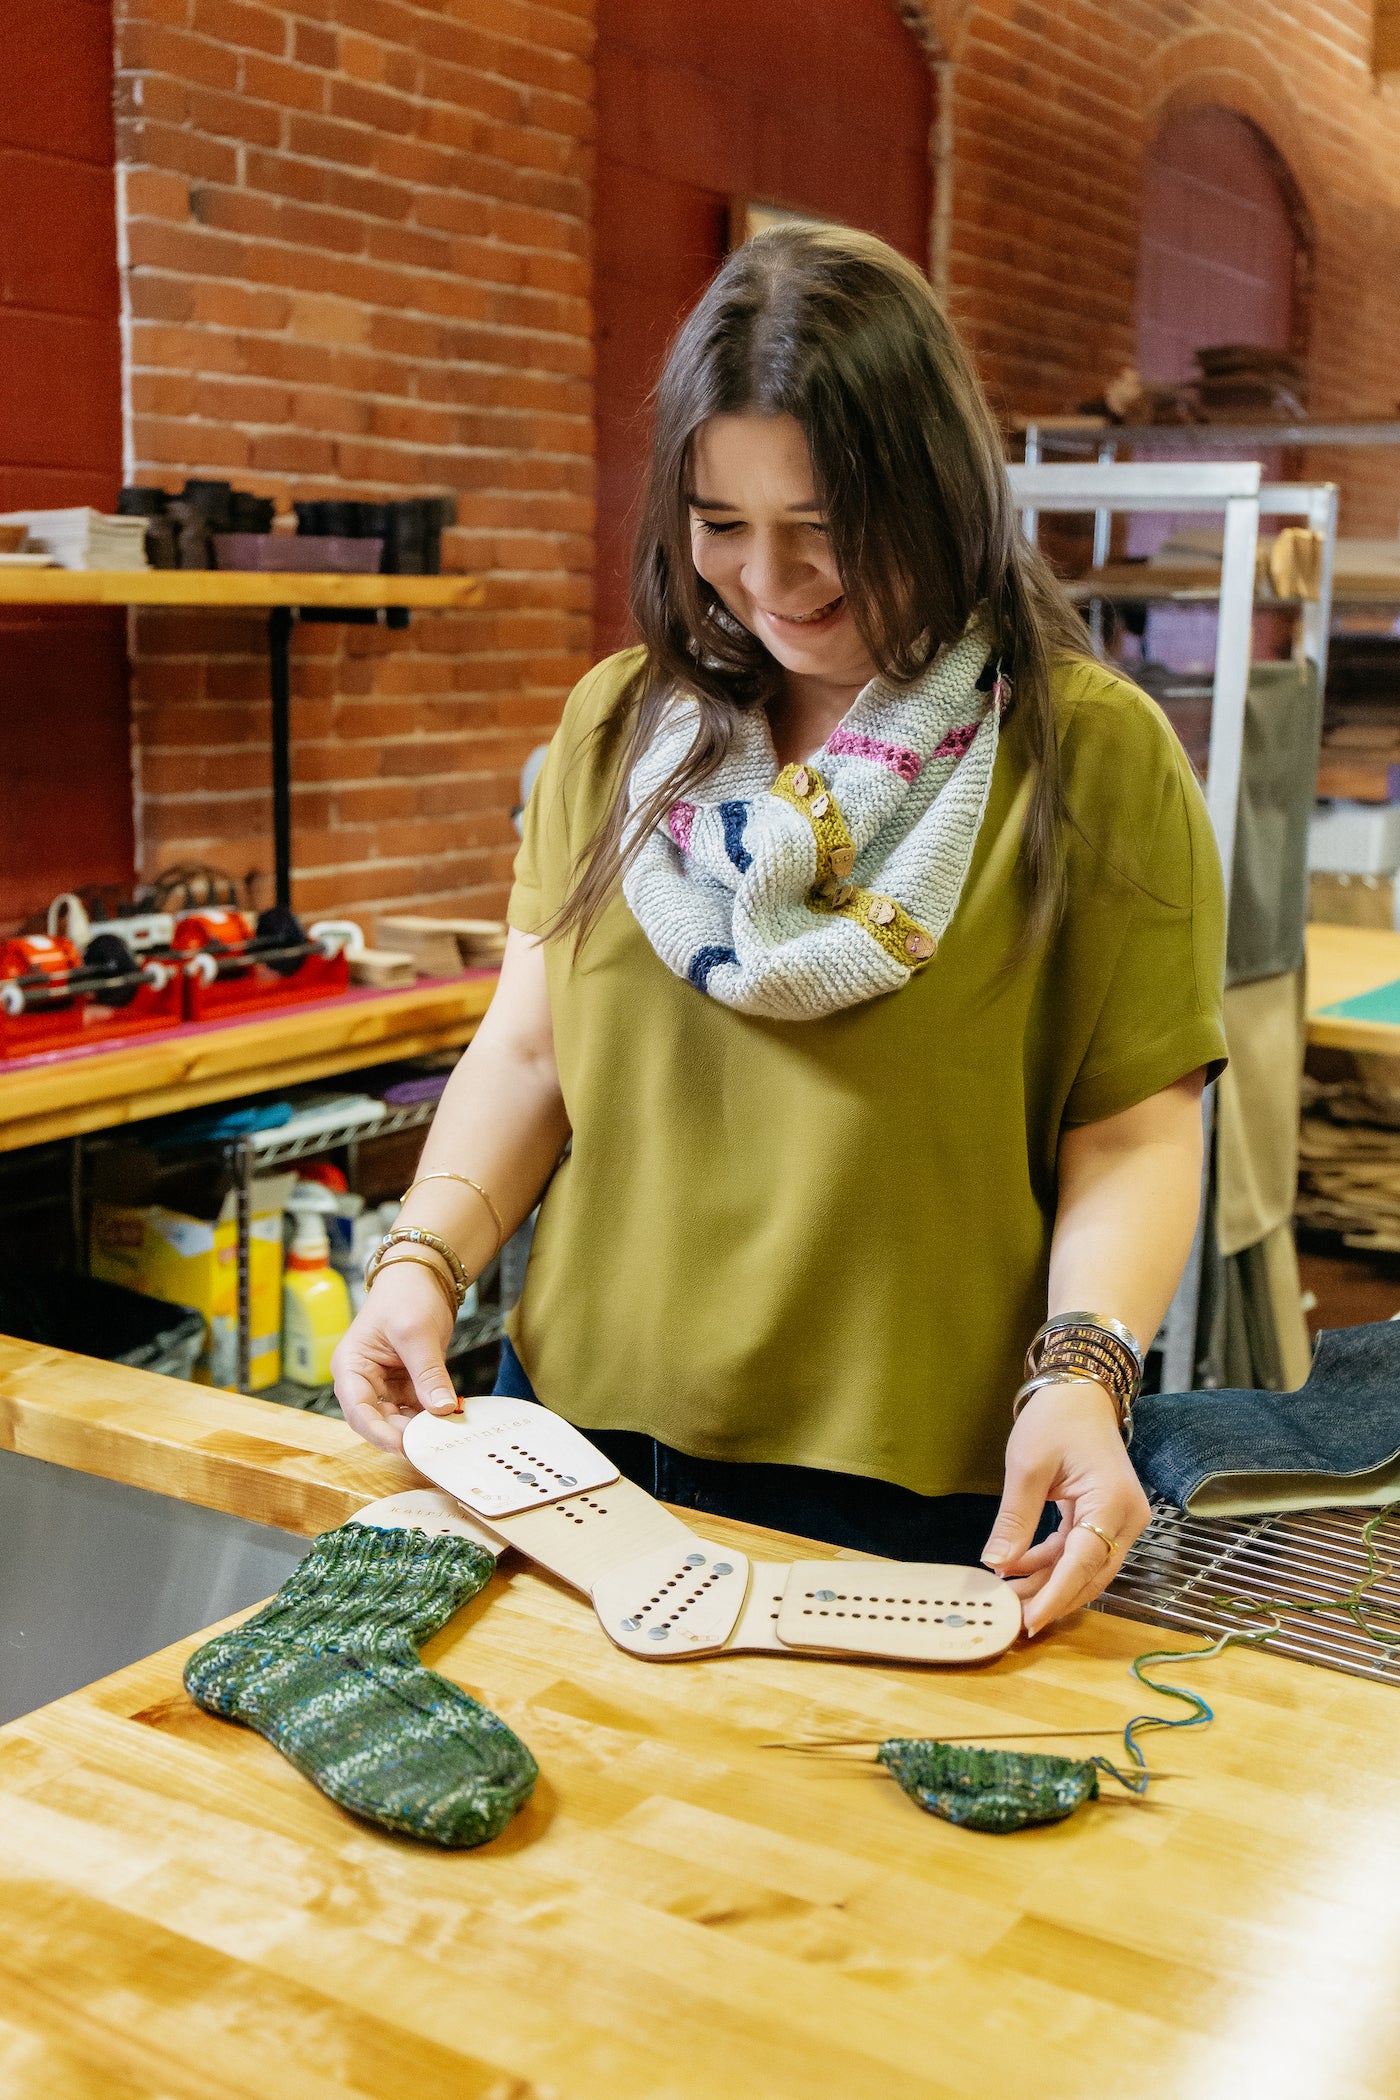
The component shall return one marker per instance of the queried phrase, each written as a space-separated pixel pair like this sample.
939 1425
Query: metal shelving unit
267 1149
262 1150
1234 490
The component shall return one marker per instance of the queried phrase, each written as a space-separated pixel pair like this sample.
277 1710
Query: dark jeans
868 1516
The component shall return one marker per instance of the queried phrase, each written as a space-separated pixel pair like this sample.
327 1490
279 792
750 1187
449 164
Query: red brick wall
358 237
821 106
356 242
64 759
1050 113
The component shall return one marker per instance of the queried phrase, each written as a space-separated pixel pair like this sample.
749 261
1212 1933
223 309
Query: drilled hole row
541 1465
925 1603
569 1510
905 1618
685 1603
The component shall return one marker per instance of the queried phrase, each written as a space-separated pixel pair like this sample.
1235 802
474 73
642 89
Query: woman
866 955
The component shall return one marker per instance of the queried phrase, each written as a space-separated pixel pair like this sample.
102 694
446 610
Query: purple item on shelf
407 1093
297 553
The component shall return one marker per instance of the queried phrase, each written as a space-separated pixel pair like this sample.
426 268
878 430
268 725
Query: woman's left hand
1065 1447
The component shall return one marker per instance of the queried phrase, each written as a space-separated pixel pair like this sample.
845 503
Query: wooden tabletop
248 1458
679 1914
1344 962
155 1075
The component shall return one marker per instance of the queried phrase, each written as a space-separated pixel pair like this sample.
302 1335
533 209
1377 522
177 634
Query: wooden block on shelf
1353 776
384 968
442 947
1351 900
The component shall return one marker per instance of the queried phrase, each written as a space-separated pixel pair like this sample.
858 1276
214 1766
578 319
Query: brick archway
1232 72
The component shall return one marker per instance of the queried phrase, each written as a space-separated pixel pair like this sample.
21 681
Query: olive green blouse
825 1243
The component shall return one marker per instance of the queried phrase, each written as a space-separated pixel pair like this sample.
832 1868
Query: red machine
155 966
231 967
54 996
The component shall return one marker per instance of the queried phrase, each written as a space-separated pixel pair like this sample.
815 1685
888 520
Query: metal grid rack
261 1150
264 1149
1182 1567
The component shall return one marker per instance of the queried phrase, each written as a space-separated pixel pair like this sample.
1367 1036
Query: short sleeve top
826 1242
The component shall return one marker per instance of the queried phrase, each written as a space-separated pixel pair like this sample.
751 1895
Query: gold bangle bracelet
444 1174
424 1261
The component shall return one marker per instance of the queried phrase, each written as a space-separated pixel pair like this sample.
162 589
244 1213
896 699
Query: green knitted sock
328 1672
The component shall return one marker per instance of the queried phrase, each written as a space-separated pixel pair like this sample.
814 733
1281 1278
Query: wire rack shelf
1182 1568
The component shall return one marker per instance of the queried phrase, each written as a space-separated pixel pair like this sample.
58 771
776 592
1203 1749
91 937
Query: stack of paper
83 538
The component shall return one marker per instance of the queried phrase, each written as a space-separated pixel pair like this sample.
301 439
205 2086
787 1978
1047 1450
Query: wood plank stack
1349 1162
443 947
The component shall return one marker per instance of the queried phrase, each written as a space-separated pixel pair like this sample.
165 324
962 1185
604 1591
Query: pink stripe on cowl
680 823
896 758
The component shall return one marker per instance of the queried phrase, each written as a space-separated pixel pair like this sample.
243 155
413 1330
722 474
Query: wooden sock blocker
511 1473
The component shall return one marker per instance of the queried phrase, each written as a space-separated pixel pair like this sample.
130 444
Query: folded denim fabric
1336 1440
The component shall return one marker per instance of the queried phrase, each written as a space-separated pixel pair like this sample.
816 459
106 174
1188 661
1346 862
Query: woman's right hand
389 1365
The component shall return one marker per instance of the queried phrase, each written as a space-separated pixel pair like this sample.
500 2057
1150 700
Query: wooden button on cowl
802 782
821 805
881 912
920 946
843 861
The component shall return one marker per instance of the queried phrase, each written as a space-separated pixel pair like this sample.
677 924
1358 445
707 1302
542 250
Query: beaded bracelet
419 1236
424 1261
1105 1329
1075 1346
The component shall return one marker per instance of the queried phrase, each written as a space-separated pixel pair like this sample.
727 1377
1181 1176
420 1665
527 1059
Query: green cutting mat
1383 1004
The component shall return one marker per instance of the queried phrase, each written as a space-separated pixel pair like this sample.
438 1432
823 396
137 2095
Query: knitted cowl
798 891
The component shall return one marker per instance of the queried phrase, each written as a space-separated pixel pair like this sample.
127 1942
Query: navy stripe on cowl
706 959
735 816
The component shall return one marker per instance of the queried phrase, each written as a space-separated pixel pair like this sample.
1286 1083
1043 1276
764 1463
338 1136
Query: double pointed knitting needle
831 1746
873 1742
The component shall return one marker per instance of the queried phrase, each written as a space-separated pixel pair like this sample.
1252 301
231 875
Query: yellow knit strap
903 939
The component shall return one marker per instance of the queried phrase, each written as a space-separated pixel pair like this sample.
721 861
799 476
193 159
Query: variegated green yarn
328 1672
996 1790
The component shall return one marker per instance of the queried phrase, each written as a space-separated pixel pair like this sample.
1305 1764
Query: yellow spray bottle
315 1301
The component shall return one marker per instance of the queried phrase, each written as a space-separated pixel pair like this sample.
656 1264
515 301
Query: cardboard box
186 1259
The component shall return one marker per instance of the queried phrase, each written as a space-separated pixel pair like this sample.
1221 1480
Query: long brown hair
840 332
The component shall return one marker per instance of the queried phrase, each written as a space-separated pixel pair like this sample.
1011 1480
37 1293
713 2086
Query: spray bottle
315 1301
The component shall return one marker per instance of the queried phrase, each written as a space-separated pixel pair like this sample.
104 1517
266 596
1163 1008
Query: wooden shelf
1159 583
156 1075
232 588
1086 433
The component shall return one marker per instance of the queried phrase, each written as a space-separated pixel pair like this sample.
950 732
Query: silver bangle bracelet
1044 1378
1033 1385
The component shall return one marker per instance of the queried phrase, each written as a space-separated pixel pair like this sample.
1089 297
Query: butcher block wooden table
680 1913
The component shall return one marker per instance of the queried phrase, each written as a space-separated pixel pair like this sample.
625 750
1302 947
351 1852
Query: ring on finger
1099 1533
